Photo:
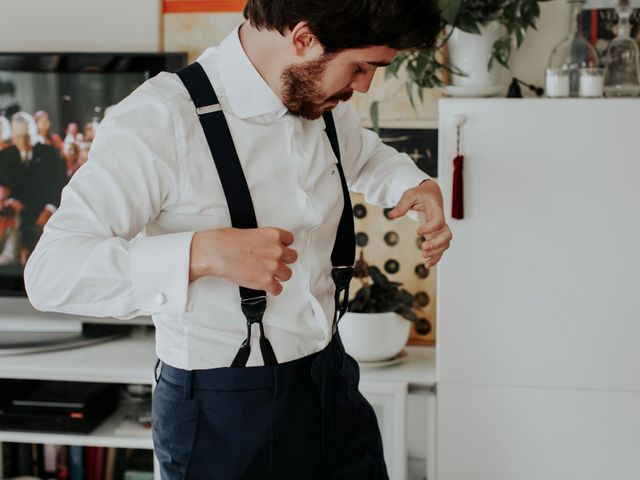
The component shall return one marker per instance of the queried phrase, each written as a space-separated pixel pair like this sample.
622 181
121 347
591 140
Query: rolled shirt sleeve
372 168
92 258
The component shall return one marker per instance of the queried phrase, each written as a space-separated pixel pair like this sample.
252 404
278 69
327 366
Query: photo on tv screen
48 120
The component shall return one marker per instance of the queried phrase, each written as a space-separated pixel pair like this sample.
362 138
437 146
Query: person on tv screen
9 225
71 153
44 131
38 175
217 201
5 132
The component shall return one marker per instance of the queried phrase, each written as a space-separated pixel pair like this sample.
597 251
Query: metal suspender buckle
342 278
254 308
208 109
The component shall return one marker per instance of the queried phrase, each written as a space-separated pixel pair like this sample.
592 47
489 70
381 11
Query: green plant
378 294
424 67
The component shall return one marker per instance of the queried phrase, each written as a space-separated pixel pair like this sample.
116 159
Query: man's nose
361 83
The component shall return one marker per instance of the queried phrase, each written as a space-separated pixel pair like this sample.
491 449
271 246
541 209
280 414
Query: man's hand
426 199
43 218
254 258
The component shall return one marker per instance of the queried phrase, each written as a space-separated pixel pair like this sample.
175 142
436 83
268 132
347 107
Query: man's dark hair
346 24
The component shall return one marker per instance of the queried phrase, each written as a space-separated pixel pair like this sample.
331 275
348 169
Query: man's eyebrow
379 64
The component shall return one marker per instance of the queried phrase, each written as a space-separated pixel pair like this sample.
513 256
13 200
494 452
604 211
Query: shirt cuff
160 272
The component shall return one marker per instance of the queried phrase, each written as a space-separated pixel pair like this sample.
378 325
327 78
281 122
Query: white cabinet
128 360
403 397
538 306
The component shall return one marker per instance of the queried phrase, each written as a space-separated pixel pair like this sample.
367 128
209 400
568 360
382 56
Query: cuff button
161 299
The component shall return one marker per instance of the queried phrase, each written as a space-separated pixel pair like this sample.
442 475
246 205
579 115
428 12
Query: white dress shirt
119 243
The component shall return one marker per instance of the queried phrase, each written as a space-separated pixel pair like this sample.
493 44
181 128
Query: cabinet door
506 433
388 400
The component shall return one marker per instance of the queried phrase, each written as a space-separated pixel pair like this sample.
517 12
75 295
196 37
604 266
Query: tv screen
50 107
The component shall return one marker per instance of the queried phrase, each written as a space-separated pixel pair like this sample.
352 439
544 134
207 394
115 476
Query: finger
432 226
289 255
431 262
403 206
286 237
283 273
440 241
433 252
274 287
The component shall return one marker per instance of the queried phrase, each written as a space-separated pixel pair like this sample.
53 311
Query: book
95 459
76 462
110 464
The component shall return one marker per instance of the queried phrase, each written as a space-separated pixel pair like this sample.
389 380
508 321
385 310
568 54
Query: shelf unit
130 360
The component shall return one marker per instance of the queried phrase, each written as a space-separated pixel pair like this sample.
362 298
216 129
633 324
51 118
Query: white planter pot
470 53
371 337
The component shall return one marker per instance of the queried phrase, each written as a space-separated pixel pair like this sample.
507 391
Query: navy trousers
300 420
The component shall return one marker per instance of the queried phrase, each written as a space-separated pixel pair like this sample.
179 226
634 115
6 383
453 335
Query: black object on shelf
516 92
48 406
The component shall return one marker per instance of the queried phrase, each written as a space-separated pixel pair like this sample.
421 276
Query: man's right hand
254 258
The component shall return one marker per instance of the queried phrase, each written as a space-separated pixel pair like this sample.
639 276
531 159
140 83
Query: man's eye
359 70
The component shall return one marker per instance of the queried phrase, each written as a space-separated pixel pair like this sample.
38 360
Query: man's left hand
426 200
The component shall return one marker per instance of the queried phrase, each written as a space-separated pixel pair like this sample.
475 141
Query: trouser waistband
317 366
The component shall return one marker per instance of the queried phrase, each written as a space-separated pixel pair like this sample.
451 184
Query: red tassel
457 203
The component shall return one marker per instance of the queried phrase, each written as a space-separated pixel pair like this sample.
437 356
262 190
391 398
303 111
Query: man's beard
302 93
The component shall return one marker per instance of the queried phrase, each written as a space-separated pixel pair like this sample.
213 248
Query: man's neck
264 50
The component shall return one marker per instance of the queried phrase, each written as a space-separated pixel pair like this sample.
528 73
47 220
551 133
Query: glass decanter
574 51
622 77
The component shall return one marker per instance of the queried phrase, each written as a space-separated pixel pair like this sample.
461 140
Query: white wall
80 25
529 63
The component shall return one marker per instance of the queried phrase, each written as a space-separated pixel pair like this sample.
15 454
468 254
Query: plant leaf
450 10
374 113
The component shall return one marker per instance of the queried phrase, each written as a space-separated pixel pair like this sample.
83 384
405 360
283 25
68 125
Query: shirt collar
247 92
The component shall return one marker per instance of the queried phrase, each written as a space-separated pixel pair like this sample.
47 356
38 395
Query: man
38 175
44 131
281 402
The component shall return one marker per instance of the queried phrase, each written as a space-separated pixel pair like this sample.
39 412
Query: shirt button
161 299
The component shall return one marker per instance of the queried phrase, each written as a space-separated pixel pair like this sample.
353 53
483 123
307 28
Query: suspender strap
344 250
236 192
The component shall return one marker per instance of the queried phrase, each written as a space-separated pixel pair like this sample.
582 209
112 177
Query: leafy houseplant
425 67
376 328
381 295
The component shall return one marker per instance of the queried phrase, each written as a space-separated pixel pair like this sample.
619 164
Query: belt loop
188 385
156 372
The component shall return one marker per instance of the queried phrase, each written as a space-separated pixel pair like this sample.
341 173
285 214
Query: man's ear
304 42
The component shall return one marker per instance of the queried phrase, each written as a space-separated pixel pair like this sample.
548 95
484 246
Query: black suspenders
236 191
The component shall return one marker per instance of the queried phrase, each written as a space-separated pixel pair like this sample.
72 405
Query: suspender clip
254 308
342 278
208 109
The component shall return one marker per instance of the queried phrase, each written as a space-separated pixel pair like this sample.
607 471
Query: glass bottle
622 77
574 51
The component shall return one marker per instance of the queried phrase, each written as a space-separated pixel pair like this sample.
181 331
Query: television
50 106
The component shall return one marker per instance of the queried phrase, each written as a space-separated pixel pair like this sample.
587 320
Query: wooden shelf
127 360
103 436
